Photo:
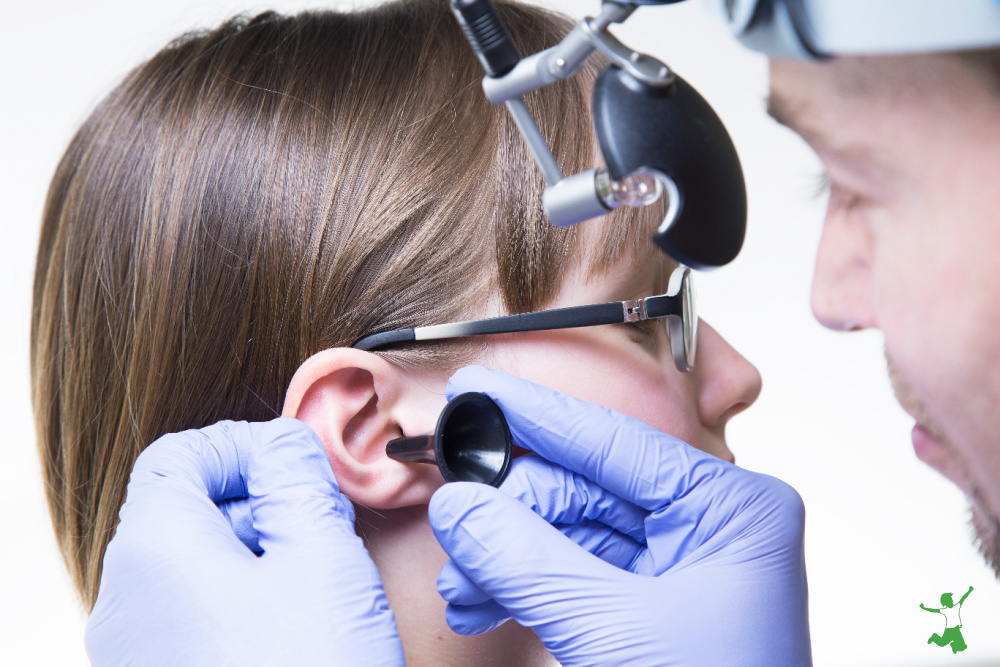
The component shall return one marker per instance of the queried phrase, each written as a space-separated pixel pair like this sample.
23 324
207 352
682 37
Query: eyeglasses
676 307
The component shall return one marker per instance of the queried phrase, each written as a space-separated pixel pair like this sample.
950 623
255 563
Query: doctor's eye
821 186
843 200
840 199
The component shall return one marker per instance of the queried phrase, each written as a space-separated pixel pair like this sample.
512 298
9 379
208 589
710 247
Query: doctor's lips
910 404
930 444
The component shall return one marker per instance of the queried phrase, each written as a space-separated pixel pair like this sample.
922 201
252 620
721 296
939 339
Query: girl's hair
258 193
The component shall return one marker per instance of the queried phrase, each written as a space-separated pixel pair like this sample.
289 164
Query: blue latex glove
700 562
179 588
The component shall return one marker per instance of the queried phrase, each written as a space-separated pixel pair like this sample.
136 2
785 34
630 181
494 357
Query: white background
884 533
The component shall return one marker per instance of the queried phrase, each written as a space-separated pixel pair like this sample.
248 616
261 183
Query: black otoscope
658 136
471 443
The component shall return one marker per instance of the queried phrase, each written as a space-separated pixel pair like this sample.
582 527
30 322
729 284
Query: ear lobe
356 402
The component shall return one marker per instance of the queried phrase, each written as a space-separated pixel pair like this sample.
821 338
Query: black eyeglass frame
677 306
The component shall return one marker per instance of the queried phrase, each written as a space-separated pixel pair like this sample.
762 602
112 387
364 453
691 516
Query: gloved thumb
294 497
237 512
515 557
305 526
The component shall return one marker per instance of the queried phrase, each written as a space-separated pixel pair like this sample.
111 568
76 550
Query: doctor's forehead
838 103
821 101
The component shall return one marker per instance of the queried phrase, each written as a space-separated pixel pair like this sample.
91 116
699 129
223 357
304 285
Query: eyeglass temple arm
613 312
663 306
560 318
378 340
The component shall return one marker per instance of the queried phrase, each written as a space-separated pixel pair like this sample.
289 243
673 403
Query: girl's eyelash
641 332
648 327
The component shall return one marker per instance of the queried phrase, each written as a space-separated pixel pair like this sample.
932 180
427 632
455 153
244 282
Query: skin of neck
409 559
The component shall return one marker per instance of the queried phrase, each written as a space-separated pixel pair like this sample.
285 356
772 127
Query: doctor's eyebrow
782 112
796 118
790 115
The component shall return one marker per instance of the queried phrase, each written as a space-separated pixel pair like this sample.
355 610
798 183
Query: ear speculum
472 442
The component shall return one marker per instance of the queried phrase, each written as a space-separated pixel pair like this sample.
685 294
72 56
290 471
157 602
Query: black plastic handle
487 35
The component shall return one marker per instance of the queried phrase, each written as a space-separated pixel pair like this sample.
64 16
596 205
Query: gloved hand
179 588
701 562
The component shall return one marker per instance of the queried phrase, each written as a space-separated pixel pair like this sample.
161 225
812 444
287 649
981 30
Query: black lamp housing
674 131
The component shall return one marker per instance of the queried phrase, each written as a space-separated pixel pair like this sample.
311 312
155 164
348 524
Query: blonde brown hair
266 190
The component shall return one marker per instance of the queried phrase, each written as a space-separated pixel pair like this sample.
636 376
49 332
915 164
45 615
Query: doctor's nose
842 280
727 382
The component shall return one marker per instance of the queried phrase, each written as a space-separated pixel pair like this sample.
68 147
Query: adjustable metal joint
634 310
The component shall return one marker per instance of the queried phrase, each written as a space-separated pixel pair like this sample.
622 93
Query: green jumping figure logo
952 623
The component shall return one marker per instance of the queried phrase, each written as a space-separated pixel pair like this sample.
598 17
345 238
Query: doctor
703 560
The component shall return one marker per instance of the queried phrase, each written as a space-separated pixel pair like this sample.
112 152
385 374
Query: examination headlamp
820 28
658 136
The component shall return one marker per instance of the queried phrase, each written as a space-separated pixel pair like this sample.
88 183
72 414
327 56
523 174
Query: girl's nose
727 382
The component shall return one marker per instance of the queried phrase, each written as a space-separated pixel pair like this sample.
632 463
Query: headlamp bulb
638 189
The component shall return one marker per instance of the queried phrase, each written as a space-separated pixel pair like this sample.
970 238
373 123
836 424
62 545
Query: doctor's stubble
984 522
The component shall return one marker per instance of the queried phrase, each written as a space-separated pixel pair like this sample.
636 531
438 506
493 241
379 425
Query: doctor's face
911 242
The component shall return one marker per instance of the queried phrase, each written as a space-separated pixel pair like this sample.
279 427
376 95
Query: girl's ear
357 402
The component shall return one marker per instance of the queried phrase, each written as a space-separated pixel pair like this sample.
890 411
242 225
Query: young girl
253 200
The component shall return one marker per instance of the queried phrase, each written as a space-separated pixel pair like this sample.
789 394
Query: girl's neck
409 559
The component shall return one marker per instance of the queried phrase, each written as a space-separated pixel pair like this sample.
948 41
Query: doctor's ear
357 402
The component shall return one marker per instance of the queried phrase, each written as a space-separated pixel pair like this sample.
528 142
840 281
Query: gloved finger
513 555
597 539
760 513
477 619
170 502
294 497
456 588
170 522
207 463
607 544
622 454
237 512
563 497
305 528
604 542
